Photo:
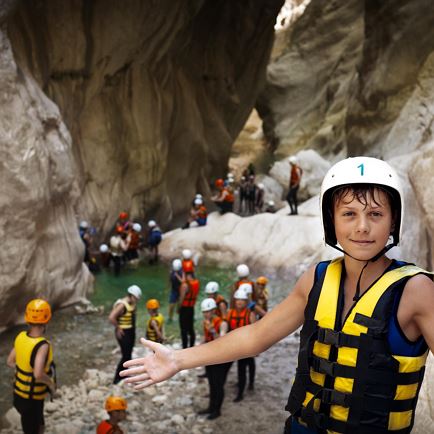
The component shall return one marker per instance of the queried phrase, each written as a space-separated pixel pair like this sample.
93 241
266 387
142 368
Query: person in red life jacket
32 359
116 407
176 278
224 199
294 184
155 326
214 327
367 319
187 261
198 214
188 292
123 221
211 291
243 273
237 317
262 295
154 239
123 318
133 242
118 247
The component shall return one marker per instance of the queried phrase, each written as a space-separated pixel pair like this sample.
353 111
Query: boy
367 320
116 407
211 291
176 277
188 292
154 239
32 358
154 329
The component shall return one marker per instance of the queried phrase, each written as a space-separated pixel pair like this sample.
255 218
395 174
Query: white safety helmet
211 288
176 264
137 227
246 287
293 159
152 223
198 201
240 294
230 175
103 248
360 170
84 224
187 254
208 304
134 290
243 270
261 186
270 203
198 196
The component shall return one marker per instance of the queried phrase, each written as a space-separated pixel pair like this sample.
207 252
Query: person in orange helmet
32 358
116 407
155 329
224 199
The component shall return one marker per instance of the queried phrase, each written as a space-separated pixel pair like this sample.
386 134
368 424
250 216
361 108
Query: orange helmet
152 304
262 280
38 312
123 215
219 182
113 403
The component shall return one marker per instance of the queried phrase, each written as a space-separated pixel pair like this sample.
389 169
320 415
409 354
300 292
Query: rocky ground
171 407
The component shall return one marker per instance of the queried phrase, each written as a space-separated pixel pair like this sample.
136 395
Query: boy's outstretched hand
151 369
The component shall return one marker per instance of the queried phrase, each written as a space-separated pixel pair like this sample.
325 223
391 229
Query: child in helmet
367 320
154 239
116 407
198 214
262 295
214 327
224 199
187 261
32 359
243 273
154 329
211 291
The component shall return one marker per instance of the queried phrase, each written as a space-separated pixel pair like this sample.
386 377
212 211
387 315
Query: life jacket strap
341 339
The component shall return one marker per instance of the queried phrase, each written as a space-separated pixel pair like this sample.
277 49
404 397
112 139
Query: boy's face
240 304
153 312
208 314
363 230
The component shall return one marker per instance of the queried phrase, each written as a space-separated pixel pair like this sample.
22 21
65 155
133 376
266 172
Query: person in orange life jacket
224 199
261 291
243 277
367 320
118 247
198 214
241 316
123 318
188 292
123 221
294 184
32 359
259 197
187 261
116 407
176 278
154 239
155 325
133 241
211 291
214 327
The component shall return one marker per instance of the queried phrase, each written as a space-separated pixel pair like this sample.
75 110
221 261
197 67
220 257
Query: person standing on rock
294 184
188 292
242 194
367 319
32 359
214 327
176 277
224 199
116 407
154 239
123 318
251 190
259 198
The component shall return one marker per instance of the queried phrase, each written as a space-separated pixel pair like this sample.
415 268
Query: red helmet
123 215
219 182
119 229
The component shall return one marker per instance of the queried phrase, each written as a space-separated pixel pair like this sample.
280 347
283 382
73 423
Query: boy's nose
362 224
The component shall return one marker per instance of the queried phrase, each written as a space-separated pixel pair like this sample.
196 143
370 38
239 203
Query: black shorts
31 412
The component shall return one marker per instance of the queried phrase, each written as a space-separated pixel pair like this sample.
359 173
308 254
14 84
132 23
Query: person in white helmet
198 214
243 273
294 184
259 198
213 327
212 291
154 239
87 239
134 240
176 277
123 318
367 320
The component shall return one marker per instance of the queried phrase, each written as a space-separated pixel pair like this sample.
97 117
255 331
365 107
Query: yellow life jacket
151 334
25 384
347 380
128 319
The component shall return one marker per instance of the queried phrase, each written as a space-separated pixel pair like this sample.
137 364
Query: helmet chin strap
373 259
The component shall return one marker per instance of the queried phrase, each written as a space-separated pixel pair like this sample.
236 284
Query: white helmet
134 290
198 196
246 287
137 227
243 270
240 294
176 264
208 304
198 201
103 248
84 224
359 170
261 186
187 254
230 175
152 223
211 288
270 203
293 159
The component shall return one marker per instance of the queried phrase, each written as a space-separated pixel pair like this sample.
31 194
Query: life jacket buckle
324 366
334 397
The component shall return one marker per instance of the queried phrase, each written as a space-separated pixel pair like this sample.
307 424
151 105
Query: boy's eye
348 213
376 214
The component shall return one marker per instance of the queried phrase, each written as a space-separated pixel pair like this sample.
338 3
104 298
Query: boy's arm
40 375
11 359
154 325
243 342
182 291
